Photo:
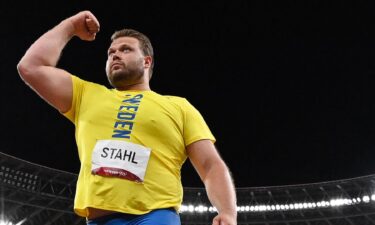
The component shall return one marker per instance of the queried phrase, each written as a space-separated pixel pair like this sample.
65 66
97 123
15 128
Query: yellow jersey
131 145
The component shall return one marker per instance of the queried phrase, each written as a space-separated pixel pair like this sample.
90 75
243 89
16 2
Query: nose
115 55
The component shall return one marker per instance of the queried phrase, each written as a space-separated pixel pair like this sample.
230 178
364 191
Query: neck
135 87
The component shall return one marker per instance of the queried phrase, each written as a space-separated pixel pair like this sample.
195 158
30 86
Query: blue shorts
156 217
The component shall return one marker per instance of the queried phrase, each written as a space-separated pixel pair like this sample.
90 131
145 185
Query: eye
126 50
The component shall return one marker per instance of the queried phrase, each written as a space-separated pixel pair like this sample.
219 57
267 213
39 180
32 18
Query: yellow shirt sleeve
78 85
195 127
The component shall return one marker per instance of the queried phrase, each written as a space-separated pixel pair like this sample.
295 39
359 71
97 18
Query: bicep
52 84
203 155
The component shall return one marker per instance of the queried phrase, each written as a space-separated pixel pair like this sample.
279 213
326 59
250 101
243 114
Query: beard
129 74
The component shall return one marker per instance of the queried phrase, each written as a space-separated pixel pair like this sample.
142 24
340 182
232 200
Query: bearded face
125 64
121 74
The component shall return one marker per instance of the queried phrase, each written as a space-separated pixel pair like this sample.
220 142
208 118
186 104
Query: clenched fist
85 25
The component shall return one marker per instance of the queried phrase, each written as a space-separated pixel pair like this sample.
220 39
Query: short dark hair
144 41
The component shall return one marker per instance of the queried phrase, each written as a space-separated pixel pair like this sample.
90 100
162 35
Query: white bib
112 158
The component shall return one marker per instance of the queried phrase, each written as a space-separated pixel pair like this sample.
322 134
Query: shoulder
170 98
176 100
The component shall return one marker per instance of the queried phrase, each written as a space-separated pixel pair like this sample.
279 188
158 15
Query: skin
126 65
127 69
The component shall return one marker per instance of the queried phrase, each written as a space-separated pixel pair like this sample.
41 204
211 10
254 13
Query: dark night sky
287 87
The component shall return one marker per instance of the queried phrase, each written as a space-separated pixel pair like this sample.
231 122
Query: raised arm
38 66
217 180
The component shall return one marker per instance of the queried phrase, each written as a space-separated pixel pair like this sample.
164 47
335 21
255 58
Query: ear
148 61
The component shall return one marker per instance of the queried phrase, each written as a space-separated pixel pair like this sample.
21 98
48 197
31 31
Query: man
132 142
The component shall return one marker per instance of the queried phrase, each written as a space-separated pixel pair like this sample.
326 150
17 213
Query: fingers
85 24
92 23
223 220
216 221
92 27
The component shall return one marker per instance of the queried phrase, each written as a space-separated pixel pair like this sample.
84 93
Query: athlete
132 141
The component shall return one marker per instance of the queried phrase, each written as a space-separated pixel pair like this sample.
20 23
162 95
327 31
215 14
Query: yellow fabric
166 124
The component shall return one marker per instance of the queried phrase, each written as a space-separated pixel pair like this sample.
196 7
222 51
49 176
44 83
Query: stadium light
336 202
18 178
5 222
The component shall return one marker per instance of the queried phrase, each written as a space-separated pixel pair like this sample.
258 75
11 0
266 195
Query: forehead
130 41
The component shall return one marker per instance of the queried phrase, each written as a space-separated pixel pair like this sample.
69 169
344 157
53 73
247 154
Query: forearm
220 189
38 69
47 49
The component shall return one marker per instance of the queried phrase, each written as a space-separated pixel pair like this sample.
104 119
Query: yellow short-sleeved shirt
163 124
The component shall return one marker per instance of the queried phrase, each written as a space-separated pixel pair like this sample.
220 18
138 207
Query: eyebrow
121 46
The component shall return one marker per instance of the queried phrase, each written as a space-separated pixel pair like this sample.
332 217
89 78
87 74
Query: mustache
117 63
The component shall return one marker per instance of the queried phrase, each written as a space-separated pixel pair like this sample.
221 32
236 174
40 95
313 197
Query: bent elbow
24 71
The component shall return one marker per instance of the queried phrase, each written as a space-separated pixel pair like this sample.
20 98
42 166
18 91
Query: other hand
224 219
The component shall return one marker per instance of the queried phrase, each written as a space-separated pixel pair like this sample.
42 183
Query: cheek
107 66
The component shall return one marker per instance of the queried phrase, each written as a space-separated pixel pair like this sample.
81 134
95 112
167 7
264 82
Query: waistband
125 216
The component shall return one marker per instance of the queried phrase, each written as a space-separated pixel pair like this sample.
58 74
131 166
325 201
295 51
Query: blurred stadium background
36 195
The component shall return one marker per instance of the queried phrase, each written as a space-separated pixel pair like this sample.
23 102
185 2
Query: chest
129 115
